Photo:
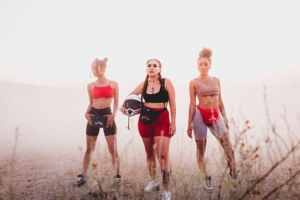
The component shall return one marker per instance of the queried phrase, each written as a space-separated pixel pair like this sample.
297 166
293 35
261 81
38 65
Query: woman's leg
201 146
90 147
113 150
151 162
229 152
161 147
200 132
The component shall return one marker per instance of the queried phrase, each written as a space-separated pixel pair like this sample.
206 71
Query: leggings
200 128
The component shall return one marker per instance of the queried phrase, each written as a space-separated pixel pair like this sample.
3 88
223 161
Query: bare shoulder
216 78
114 84
193 81
141 84
90 85
167 81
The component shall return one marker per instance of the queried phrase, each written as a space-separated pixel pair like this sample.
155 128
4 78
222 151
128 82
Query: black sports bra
160 97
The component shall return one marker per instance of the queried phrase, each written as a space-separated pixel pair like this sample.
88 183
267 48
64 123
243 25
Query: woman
210 113
102 93
157 92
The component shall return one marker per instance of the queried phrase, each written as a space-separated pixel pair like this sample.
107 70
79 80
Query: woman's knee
89 150
163 156
224 139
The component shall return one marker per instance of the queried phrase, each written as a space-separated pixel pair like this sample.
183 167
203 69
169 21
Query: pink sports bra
102 92
203 89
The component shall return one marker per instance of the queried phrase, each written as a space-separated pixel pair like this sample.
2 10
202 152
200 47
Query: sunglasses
150 65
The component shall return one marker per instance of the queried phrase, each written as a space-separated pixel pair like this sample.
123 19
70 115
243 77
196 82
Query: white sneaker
167 195
152 185
117 179
208 184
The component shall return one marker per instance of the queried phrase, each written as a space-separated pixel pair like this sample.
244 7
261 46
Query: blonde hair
205 53
101 62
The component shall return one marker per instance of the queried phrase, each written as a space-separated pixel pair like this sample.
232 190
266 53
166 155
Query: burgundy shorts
160 127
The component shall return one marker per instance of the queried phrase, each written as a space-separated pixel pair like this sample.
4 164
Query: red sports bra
102 92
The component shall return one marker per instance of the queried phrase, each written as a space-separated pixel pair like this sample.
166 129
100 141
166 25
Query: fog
51 119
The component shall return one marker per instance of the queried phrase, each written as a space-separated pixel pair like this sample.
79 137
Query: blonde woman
102 93
209 113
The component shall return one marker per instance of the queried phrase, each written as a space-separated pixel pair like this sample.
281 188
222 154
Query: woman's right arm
138 89
192 107
87 115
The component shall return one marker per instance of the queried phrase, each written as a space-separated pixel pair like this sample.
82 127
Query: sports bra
203 90
160 97
102 92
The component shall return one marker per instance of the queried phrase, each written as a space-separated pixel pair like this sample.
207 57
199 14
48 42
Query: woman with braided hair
209 113
154 124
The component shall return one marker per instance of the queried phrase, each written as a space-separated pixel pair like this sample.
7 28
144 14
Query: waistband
156 109
102 111
208 110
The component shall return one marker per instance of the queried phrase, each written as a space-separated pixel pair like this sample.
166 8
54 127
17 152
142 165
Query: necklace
152 85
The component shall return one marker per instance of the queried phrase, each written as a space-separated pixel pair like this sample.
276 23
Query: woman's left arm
222 107
171 92
111 117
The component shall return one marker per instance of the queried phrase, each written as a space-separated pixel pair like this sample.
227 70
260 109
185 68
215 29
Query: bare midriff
156 105
100 103
209 102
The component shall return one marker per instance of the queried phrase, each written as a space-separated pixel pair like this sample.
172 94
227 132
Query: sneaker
208 184
152 185
117 178
167 195
80 180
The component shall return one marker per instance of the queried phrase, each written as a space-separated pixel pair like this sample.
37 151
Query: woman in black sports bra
154 124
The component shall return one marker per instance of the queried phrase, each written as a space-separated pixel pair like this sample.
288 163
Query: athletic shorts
160 127
200 128
94 131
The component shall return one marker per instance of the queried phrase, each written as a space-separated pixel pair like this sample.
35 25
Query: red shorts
160 127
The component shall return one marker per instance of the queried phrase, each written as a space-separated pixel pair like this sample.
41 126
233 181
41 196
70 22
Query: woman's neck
101 79
153 79
204 76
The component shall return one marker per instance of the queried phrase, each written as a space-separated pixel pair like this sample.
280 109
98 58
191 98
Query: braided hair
147 77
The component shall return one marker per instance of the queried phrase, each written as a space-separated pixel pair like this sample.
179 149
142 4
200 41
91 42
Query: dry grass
268 169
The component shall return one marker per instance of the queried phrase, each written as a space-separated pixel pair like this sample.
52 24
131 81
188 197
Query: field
42 146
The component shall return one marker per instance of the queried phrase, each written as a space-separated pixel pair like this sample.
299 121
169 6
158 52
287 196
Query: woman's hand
190 131
172 129
110 119
88 117
122 110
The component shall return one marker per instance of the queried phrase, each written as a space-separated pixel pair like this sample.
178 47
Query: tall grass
268 169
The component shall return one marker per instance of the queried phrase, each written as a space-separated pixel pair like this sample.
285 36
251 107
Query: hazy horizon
54 42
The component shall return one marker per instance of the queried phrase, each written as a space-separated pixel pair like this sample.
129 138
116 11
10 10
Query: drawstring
128 124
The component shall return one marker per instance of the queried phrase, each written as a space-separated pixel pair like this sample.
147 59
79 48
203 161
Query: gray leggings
200 128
